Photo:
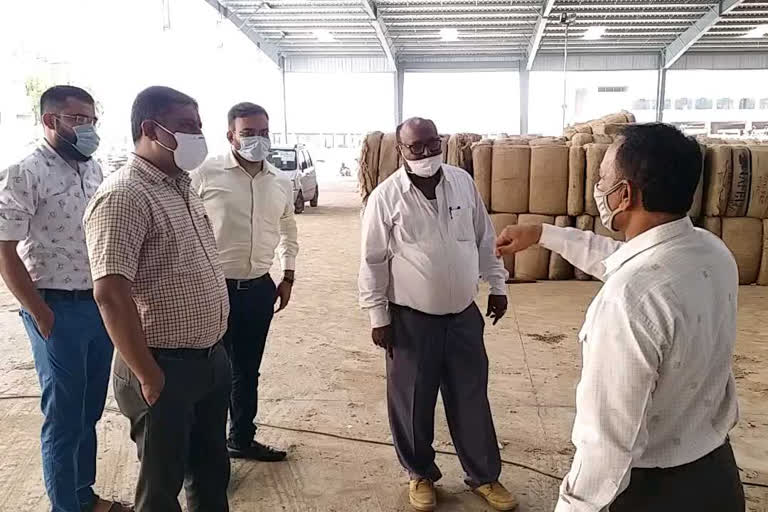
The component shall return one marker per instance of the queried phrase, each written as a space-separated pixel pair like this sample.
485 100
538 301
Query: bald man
426 238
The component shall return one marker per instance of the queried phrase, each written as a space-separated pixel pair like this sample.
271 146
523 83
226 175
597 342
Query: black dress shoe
256 451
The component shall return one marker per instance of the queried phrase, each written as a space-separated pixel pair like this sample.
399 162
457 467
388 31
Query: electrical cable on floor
363 441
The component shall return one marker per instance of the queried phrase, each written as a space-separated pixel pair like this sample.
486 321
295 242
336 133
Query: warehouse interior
527 95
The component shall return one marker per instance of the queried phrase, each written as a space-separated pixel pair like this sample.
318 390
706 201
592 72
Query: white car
298 166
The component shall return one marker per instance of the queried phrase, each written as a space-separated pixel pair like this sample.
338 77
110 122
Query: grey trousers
443 353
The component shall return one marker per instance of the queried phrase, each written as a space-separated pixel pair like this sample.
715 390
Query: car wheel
299 206
314 200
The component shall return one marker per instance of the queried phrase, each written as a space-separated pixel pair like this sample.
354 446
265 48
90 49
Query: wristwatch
289 280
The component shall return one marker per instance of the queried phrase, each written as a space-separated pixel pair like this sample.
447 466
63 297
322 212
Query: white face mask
606 214
426 167
254 149
190 151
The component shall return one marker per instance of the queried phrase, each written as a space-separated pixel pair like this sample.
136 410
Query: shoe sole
244 456
423 508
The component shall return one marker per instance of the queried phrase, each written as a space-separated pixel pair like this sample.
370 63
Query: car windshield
283 159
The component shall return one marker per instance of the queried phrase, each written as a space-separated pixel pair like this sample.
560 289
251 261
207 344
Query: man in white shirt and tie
251 208
426 238
657 398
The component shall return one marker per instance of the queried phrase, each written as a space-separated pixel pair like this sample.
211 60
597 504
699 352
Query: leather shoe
496 496
421 492
256 451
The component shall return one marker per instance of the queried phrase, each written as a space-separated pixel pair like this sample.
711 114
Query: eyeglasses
434 146
78 119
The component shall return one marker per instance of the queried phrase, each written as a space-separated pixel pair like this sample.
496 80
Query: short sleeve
18 202
115 229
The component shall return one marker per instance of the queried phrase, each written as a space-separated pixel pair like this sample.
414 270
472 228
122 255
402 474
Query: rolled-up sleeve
18 203
373 280
116 226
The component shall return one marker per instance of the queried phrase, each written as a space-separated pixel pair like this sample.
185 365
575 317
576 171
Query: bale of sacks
444 147
744 238
559 268
549 180
718 176
738 196
500 221
584 223
577 165
482 160
368 174
603 231
595 154
762 277
547 141
712 224
758 191
389 157
510 177
460 150
581 139
698 196
533 262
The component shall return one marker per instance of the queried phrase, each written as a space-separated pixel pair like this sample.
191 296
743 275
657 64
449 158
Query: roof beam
679 46
538 32
267 48
381 33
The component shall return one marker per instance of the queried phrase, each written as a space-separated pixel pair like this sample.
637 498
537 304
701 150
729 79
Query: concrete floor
323 385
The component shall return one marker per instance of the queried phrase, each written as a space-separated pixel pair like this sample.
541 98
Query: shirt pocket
462 224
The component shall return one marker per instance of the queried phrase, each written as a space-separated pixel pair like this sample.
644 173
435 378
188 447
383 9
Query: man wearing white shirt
251 208
657 398
426 238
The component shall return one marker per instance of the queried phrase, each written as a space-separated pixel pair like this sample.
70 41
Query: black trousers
180 438
443 353
251 306
710 484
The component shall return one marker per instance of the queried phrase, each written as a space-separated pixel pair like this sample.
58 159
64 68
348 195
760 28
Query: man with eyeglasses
426 237
251 208
44 263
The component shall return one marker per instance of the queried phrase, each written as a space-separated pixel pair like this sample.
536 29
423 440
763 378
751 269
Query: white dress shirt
42 203
425 255
656 387
252 216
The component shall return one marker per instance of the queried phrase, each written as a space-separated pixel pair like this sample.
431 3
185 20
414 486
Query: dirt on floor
322 395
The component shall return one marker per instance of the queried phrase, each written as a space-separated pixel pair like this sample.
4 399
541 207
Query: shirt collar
647 240
153 174
406 183
52 155
232 163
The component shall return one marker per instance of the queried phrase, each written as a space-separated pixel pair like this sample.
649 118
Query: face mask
86 142
606 214
190 151
426 167
254 149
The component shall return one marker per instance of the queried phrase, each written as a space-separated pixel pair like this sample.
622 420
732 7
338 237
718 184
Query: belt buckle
242 285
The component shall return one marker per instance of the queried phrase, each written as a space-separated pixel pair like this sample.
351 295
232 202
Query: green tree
35 87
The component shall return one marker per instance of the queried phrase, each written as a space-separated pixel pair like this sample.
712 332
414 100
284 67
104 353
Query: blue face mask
86 139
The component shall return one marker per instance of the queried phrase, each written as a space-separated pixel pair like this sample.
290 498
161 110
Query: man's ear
630 197
149 129
49 120
231 137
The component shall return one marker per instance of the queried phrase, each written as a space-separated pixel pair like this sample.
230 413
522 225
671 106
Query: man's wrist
289 276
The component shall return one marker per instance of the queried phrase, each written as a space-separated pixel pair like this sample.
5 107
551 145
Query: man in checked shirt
657 397
161 292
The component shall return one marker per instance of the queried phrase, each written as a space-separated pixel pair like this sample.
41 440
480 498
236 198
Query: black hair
53 99
154 102
245 109
663 163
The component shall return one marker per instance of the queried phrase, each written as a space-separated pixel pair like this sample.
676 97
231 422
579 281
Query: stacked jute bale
368 174
735 205
606 125
459 150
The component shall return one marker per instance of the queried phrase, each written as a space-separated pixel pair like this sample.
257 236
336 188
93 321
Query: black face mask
66 148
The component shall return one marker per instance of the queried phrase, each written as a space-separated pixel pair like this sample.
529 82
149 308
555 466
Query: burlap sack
512 141
444 147
460 150
603 231
744 237
389 157
581 139
758 192
712 224
510 178
698 196
547 141
598 127
577 165
615 128
559 268
368 174
619 117
762 277
583 128
738 197
500 221
630 116
482 156
533 263
584 223
718 174
569 133
603 139
549 180
595 154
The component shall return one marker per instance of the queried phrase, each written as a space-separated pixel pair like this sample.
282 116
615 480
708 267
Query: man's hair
400 126
154 102
245 109
53 99
663 163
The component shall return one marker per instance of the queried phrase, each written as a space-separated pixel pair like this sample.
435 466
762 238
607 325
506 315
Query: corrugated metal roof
491 28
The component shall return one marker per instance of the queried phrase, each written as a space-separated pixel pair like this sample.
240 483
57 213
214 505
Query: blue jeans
73 367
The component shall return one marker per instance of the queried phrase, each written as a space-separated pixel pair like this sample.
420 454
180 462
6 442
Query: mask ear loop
166 130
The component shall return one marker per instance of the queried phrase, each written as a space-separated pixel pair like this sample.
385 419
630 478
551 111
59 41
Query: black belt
74 295
241 285
396 307
185 353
